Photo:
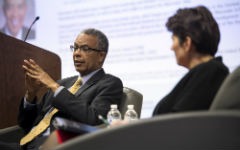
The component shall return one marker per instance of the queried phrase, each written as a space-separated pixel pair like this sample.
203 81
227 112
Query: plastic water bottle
131 114
114 114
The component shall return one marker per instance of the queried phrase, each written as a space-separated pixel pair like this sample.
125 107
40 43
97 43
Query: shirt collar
88 76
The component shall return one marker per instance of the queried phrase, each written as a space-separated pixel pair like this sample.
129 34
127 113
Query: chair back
228 96
131 97
190 130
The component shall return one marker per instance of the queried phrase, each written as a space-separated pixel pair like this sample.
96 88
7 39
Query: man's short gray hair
102 38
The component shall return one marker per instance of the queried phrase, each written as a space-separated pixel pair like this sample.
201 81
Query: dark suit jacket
196 90
92 99
31 34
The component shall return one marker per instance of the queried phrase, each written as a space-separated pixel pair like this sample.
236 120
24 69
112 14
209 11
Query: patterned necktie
45 122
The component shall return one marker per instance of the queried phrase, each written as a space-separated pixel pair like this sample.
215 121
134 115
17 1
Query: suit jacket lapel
71 82
96 77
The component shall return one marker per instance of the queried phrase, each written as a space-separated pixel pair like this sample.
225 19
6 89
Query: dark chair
192 130
228 96
11 134
132 97
218 128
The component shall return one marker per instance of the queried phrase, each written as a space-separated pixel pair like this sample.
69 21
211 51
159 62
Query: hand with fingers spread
32 88
36 77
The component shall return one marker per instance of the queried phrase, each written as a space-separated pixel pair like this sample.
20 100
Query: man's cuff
59 89
27 104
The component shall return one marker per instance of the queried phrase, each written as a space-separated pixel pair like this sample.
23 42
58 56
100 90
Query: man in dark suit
15 13
97 92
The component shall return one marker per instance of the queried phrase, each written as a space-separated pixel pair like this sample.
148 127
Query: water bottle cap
114 106
130 106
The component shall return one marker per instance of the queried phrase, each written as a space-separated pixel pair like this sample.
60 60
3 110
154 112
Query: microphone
36 19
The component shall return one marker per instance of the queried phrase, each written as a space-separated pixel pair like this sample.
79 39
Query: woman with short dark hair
195 36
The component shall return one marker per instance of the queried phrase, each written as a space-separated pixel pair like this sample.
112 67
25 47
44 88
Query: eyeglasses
84 48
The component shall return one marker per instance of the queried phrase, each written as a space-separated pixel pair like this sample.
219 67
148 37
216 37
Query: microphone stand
37 18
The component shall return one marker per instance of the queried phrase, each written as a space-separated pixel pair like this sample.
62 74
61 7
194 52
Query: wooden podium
12 83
